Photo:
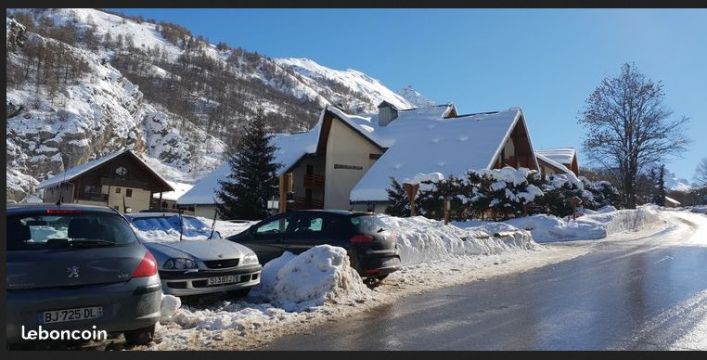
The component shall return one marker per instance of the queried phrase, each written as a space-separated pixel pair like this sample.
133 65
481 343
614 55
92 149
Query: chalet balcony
93 196
303 203
314 181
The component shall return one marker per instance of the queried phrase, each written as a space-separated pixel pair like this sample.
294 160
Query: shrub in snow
398 199
432 198
319 275
603 194
506 192
558 190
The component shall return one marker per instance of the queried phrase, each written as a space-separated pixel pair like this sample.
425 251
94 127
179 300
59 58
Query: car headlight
179 264
250 259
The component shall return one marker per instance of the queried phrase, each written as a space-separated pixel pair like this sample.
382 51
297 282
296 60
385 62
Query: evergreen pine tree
660 200
253 181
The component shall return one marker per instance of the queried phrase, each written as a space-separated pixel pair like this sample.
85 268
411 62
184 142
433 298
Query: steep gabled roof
561 155
90 165
552 163
424 143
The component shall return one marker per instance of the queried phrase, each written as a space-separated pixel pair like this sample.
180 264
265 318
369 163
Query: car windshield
168 227
368 224
73 229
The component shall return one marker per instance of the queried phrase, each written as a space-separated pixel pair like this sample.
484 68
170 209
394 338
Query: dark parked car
71 267
195 265
371 246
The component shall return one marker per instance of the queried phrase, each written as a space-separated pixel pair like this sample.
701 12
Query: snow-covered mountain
83 83
366 93
415 98
672 182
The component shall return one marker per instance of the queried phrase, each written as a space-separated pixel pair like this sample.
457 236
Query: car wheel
240 293
382 277
142 336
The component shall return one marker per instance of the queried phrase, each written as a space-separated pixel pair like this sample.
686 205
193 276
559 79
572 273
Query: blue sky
546 61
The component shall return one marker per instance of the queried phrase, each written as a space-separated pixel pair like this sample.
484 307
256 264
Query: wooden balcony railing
302 203
91 196
314 181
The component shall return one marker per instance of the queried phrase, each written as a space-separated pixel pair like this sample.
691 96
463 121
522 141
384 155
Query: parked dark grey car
71 267
371 246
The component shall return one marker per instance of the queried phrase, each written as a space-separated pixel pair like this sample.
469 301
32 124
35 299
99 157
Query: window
310 169
307 224
117 190
275 226
39 230
128 192
368 224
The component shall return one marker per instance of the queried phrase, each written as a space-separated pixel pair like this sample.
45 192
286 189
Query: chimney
386 113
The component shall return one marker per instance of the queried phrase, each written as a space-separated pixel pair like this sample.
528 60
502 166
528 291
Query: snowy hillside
83 83
415 98
367 91
672 182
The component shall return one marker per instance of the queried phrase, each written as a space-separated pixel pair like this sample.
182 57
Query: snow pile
319 275
594 225
170 305
424 240
548 228
700 209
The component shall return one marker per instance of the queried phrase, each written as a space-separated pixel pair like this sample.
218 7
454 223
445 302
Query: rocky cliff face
83 83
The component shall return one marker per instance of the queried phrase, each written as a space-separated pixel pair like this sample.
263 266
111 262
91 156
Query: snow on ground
700 209
434 256
594 225
422 240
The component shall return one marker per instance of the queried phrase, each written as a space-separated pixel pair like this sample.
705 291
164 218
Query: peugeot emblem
73 272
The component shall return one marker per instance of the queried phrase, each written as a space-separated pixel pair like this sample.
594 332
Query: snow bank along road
633 290
319 287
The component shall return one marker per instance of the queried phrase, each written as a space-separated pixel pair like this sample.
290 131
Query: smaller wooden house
565 156
120 180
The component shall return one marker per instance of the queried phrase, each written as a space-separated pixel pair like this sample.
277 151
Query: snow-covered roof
179 190
561 155
672 201
553 163
418 141
423 141
80 169
291 148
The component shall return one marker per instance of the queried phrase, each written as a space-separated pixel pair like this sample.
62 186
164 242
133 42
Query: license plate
226 279
57 316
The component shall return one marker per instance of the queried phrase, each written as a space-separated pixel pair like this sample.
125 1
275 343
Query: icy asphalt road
635 294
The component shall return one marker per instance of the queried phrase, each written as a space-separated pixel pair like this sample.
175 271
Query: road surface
645 293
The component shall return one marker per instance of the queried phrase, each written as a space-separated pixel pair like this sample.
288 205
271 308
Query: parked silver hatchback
78 268
193 259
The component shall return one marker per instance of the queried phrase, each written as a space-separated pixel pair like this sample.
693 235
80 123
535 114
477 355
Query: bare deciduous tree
701 173
629 128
